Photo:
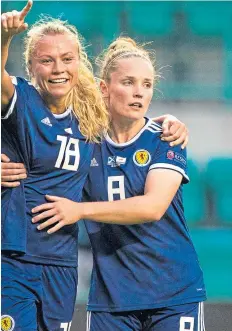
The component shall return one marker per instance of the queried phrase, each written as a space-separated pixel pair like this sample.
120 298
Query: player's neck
123 131
56 106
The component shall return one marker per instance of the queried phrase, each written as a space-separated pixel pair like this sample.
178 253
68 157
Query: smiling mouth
58 81
136 105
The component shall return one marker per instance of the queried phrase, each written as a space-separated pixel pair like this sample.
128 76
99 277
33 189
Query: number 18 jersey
57 159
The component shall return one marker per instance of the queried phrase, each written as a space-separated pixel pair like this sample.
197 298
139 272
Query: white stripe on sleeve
169 166
11 107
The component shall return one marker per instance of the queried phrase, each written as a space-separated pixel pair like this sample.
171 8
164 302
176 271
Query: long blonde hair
85 98
121 48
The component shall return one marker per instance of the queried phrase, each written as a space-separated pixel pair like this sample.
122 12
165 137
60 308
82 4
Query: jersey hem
146 306
14 248
44 260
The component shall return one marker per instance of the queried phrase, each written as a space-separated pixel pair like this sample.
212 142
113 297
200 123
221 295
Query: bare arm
160 189
12 23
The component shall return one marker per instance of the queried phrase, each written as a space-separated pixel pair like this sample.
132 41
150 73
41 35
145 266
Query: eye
68 59
127 82
148 85
45 61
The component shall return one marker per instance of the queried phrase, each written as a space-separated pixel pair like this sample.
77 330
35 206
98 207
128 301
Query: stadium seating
194 196
219 183
209 18
150 18
92 19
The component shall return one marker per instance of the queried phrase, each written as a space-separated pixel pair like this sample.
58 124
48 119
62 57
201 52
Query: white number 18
65 153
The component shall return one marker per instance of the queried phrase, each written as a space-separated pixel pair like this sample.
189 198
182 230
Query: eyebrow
68 53
132 77
49 55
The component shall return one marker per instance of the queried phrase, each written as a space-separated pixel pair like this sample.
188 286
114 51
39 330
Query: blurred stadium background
193 44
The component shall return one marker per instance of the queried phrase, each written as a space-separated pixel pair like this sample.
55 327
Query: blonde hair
121 48
85 98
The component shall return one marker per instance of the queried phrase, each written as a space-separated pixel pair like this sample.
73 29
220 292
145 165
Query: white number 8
184 327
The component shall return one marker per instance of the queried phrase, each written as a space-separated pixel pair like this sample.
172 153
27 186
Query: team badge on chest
7 323
142 158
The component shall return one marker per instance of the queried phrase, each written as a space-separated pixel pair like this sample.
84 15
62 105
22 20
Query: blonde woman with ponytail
146 274
50 124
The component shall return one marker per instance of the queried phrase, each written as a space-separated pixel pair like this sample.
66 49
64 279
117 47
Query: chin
59 94
135 117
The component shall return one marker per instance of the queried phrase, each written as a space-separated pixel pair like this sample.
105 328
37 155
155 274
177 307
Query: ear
104 89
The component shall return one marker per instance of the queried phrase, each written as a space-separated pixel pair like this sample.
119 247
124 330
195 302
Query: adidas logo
94 163
68 130
46 121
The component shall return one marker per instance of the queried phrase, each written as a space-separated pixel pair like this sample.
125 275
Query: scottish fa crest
142 157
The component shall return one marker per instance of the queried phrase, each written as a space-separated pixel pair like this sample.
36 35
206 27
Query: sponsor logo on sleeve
170 155
174 156
7 323
142 158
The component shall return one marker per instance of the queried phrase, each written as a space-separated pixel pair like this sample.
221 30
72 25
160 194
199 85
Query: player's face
130 89
54 65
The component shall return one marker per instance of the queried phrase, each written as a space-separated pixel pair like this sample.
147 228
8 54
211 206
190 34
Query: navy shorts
187 317
37 297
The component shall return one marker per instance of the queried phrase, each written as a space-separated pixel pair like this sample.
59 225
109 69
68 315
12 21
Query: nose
58 67
138 93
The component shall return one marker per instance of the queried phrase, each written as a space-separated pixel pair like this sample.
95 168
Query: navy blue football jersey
140 266
57 159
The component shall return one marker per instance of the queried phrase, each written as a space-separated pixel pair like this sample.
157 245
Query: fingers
174 134
49 222
12 172
165 128
10 20
178 141
178 138
55 228
10 184
185 142
15 16
4 158
53 198
45 206
22 28
10 166
177 127
43 215
13 22
13 178
8 171
171 128
25 10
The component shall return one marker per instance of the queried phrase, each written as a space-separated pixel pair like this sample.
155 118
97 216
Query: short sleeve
23 90
173 158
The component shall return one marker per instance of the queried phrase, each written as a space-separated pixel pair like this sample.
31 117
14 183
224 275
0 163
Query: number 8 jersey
142 266
57 159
